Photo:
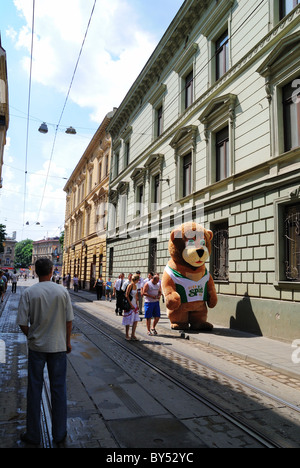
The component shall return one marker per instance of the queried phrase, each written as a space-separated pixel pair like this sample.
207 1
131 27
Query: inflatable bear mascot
187 285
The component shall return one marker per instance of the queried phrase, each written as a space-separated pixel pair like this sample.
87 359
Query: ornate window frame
217 115
154 167
157 100
185 65
139 180
183 143
214 27
280 67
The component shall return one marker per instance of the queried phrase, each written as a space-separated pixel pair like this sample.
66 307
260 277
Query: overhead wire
28 108
68 94
65 103
149 128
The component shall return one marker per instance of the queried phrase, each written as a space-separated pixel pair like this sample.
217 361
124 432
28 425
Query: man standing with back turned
45 316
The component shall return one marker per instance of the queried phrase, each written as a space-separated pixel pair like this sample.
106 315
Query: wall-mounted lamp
165 180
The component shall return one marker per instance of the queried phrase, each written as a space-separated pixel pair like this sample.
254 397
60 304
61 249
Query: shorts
152 309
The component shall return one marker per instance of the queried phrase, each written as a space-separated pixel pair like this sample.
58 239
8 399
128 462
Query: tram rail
257 435
46 414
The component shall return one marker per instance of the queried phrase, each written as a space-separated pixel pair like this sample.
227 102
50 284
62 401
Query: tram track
236 419
46 414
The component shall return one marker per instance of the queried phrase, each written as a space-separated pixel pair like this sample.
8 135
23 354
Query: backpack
126 305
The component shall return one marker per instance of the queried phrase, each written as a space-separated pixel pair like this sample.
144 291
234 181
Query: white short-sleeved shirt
46 308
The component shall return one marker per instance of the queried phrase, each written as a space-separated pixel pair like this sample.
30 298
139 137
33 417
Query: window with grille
152 266
292 242
220 252
111 261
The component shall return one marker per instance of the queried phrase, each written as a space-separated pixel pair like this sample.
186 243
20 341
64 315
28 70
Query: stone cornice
259 50
99 143
160 58
174 37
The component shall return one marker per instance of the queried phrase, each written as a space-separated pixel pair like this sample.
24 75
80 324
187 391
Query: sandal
153 331
149 333
134 338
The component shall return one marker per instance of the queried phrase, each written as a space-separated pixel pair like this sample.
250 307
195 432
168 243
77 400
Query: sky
118 37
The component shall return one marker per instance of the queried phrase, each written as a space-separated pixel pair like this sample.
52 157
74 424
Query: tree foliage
23 253
2 237
62 239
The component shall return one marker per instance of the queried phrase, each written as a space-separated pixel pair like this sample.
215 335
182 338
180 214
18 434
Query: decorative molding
184 133
157 94
220 105
216 16
186 57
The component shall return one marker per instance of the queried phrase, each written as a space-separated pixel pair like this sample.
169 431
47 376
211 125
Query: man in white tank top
152 293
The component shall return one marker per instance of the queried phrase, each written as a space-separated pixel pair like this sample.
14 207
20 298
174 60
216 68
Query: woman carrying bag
131 309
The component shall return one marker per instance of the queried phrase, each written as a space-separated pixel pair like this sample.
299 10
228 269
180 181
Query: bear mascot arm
186 283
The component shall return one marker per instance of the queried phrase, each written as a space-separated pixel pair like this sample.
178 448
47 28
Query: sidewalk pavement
272 354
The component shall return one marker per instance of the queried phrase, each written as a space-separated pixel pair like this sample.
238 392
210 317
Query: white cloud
116 46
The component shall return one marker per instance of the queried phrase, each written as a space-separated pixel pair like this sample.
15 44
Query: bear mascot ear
210 234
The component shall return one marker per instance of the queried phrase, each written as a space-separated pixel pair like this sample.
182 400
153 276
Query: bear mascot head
187 285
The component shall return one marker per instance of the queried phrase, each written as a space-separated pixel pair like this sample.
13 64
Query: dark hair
43 267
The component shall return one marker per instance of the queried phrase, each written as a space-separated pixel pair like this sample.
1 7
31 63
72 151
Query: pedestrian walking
2 286
140 285
14 280
4 278
45 316
152 293
68 280
126 282
75 283
131 317
119 293
108 289
99 287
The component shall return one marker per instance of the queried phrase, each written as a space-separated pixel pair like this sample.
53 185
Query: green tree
2 237
62 239
23 253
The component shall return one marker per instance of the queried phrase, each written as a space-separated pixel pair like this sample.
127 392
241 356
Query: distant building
7 258
85 219
49 248
4 115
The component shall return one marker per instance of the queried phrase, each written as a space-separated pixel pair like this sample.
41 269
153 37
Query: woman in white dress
131 317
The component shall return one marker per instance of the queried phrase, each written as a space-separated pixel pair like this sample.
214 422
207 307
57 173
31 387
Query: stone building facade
210 130
50 248
7 258
85 219
4 109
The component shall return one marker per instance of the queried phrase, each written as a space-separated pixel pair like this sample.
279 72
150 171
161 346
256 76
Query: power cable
28 109
65 103
149 128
